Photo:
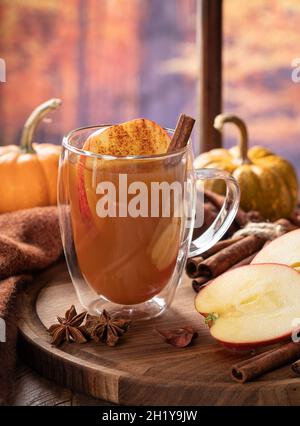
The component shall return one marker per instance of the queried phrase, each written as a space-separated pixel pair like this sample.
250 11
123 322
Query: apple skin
82 197
250 346
245 346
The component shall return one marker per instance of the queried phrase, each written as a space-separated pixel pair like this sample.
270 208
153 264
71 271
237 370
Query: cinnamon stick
226 258
220 258
260 364
182 132
199 282
295 220
191 266
296 367
245 261
218 200
210 213
241 217
220 245
193 262
287 224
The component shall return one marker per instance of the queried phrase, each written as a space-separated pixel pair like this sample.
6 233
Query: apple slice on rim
285 250
135 137
251 306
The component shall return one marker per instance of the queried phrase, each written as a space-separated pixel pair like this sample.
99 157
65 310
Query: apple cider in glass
126 259
127 204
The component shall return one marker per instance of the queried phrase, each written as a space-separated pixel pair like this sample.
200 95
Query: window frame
209 42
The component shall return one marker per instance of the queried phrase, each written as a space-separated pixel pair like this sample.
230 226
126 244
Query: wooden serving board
141 369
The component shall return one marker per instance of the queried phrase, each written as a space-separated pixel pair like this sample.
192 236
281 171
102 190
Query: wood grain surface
31 389
142 369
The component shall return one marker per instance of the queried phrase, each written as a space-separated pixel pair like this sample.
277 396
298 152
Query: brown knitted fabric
29 241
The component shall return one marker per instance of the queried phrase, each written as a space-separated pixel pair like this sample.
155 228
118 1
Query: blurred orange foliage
103 58
261 38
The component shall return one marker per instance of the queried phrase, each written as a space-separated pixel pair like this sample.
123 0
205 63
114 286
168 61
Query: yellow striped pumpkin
267 181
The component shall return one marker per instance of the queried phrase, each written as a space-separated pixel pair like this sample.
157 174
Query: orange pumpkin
28 173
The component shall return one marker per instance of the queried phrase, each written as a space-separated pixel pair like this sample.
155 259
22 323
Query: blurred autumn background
112 60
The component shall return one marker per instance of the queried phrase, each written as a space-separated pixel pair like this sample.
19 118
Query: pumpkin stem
219 122
32 122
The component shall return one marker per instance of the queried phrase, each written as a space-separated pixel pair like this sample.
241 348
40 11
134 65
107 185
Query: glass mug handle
226 215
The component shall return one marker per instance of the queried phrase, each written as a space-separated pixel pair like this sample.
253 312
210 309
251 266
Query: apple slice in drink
252 306
285 250
165 242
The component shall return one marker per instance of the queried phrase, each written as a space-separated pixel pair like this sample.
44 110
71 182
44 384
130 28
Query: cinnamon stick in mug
182 132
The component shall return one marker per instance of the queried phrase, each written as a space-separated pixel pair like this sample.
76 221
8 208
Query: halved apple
252 306
285 250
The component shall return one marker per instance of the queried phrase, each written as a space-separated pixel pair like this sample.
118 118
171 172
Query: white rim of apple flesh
255 305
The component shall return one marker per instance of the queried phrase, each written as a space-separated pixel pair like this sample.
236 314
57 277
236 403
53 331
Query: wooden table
206 364
32 389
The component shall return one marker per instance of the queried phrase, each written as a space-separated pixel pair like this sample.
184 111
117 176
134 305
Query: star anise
69 328
105 329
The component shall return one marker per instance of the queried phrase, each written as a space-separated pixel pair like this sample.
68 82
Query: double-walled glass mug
127 224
